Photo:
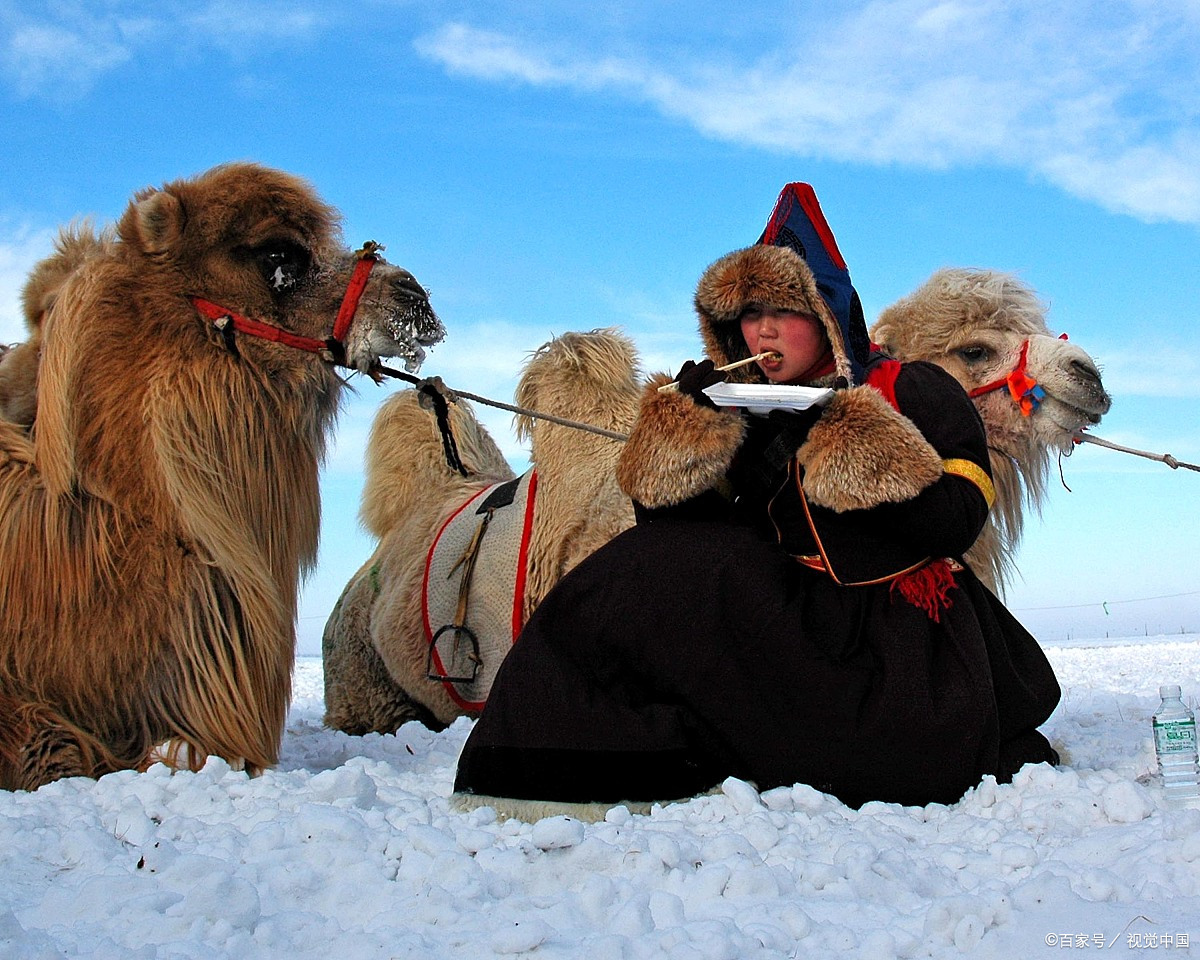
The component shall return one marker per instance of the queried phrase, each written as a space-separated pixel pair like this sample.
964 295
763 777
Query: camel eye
282 264
974 354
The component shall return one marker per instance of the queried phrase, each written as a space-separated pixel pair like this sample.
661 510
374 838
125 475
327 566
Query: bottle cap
1169 691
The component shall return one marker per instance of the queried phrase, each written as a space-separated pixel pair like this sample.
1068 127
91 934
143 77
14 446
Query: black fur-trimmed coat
777 618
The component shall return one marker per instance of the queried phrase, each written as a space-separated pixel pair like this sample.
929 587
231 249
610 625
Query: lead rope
1166 458
436 384
1024 391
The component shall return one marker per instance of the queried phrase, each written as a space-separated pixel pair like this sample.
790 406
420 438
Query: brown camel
159 514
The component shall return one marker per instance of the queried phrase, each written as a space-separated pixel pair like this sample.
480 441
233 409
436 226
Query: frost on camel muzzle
384 312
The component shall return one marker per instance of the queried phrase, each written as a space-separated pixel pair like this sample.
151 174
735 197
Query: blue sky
550 167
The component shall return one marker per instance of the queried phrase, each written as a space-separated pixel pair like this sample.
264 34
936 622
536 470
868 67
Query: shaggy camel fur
971 322
374 643
158 516
18 381
19 363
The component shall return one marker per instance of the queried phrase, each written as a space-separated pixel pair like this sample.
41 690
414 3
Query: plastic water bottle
1175 745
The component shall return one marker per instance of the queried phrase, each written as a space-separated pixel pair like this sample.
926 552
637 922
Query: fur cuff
863 452
677 449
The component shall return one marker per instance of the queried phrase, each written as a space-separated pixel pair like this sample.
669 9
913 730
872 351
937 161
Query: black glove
694 377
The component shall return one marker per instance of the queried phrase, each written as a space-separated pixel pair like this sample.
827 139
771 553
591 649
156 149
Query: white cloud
233 24
1093 97
1141 369
59 52
58 60
495 56
1151 181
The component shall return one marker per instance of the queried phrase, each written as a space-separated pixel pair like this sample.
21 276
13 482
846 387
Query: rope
1112 603
1166 458
453 395
441 409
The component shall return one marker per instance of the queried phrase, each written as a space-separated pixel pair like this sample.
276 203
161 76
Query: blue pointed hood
798 223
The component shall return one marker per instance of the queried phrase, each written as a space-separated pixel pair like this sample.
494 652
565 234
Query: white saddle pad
495 598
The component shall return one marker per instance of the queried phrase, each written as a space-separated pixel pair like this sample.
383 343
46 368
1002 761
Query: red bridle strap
1023 388
1018 370
367 258
224 318
331 349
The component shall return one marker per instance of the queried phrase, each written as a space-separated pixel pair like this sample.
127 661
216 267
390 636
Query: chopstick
674 384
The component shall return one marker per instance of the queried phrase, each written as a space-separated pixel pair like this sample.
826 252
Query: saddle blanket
495 595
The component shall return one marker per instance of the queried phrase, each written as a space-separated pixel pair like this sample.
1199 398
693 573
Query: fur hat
767 275
796 265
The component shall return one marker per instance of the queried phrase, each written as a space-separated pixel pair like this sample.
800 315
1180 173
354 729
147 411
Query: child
792 605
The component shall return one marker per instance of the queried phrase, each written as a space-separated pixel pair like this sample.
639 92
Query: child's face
798 339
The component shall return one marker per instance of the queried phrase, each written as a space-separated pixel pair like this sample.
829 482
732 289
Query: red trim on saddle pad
518 605
518 614
437 661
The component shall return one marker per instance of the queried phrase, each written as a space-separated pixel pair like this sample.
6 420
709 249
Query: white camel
1034 390
376 642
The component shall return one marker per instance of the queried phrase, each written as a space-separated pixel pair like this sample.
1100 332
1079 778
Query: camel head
261 249
259 242
988 330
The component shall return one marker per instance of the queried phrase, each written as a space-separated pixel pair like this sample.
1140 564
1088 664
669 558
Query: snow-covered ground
348 851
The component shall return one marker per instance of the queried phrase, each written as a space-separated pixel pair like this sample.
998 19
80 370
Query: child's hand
694 377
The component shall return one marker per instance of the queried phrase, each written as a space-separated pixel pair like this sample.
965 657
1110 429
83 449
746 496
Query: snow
348 851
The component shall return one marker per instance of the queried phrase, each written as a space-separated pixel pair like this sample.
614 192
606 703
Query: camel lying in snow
977 324
157 516
375 646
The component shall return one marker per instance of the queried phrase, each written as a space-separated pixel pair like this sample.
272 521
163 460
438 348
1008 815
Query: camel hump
406 461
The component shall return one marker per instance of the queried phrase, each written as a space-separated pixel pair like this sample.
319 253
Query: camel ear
883 333
158 219
879 336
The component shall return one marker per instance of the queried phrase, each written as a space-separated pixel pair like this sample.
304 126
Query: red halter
331 349
1024 389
